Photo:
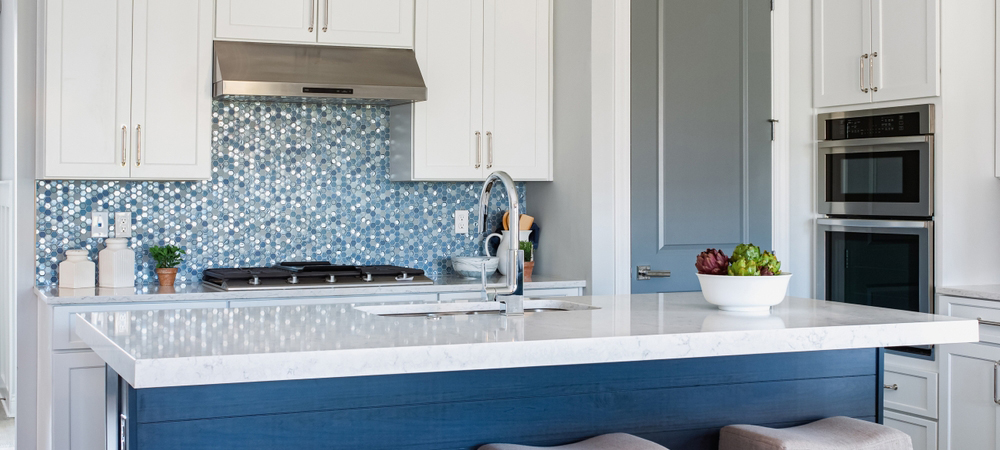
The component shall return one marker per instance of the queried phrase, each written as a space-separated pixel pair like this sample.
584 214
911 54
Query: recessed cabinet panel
516 79
87 85
905 40
171 90
78 383
374 23
841 38
449 51
266 20
969 415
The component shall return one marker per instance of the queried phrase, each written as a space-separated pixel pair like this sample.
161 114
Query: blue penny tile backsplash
291 181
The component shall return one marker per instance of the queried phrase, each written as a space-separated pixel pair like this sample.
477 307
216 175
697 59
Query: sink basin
470 308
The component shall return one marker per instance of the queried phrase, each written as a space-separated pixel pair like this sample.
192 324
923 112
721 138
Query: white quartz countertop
186 347
982 292
53 295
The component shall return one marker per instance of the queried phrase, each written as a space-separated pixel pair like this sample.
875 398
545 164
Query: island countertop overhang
187 347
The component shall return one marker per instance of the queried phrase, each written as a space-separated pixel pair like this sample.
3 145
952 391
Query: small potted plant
167 258
529 262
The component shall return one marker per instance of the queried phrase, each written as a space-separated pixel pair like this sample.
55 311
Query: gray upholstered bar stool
834 433
613 441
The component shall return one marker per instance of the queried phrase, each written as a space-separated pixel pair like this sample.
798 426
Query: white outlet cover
462 221
99 226
123 224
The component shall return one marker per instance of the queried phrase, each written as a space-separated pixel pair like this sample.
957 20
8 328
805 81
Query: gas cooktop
311 274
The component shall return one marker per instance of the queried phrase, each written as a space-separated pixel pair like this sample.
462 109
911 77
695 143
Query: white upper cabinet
266 20
127 88
874 50
487 66
368 23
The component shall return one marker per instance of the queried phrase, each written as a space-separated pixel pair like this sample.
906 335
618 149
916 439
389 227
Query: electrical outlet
462 221
121 323
99 224
123 224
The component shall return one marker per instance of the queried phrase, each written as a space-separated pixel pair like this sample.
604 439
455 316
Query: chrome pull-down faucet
509 293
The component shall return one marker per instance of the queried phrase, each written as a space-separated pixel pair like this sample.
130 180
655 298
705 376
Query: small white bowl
744 294
472 266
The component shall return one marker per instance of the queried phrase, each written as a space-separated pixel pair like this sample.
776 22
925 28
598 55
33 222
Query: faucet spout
514 285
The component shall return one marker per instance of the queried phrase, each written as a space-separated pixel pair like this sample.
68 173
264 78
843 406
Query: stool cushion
613 441
834 433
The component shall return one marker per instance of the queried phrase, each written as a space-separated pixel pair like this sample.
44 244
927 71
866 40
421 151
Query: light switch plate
462 221
123 224
99 224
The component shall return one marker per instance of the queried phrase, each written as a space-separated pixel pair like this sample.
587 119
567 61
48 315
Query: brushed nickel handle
871 71
645 273
489 149
479 149
312 16
996 367
987 322
138 145
863 87
891 387
124 144
326 15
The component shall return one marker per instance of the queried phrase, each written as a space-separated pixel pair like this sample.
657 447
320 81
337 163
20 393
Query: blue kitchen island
667 367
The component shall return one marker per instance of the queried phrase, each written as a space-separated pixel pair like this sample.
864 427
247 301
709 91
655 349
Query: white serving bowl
471 266
744 294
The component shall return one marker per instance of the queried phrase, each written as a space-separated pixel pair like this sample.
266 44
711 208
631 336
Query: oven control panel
887 125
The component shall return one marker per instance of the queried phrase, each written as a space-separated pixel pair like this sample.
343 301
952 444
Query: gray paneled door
701 136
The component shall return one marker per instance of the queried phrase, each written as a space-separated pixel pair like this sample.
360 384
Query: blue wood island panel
678 403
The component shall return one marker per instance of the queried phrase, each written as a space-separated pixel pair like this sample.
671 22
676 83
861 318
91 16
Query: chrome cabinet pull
863 87
312 15
891 387
138 145
124 144
479 149
326 15
645 273
871 71
996 367
987 322
489 149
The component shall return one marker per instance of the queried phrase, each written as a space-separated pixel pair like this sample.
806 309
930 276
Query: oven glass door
876 177
884 264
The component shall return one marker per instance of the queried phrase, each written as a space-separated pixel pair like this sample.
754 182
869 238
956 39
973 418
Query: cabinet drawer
334 300
64 318
911 391
984 310
923 432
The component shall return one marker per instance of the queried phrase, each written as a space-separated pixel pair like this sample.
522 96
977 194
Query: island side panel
678 403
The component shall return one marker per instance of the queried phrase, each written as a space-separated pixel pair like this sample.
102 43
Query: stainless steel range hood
289 72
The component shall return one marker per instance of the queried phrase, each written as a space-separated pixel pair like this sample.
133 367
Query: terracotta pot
166 276
528 268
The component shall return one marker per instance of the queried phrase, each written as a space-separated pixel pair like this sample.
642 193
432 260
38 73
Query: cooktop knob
331 279
294 279
254 281
368 277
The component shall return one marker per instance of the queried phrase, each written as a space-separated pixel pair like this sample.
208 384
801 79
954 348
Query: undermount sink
470 308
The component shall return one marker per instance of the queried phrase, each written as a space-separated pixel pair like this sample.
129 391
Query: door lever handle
644 273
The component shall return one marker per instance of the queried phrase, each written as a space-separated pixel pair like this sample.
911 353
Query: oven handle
865 223
876 141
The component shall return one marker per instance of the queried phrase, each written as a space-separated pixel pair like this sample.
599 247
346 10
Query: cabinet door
841 38
517 88
905 50
88 51
266 20
449 50
371 23
172 90
969 414
922 432
78 401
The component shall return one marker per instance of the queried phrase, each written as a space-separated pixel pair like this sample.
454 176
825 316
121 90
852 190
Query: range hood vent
313 73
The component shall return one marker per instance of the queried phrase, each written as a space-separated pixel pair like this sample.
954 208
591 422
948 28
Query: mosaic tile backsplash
291 181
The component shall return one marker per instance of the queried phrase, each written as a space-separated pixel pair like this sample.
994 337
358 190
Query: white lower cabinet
969 403
923 432
911 399
78 400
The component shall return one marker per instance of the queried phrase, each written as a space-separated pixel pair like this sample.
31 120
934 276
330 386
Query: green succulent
744 268
527 248
769 264
166 256
745 251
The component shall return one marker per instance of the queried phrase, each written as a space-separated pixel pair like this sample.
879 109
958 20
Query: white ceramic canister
77 271
503 250
117 264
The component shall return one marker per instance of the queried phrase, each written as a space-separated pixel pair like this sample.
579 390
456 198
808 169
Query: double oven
876 195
